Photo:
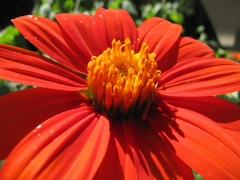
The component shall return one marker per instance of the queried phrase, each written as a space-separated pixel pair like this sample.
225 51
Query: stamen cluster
121 81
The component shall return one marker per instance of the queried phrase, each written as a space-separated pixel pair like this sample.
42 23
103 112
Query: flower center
122 82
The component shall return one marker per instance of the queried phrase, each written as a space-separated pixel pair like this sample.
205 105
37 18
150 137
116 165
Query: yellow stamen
123 82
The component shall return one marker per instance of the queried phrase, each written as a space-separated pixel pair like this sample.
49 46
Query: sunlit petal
80 136
22 111
200 77
199 142
224 113
78 31
26 67
46 35
113 24
162 37
190 48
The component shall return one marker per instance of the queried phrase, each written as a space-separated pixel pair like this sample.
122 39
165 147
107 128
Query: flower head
122 82
116 101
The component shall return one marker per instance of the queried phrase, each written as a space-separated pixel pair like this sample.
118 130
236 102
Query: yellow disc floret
122 82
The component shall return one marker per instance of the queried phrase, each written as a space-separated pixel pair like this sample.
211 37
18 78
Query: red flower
116 102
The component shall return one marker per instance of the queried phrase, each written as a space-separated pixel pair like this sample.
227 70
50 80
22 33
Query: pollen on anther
123 81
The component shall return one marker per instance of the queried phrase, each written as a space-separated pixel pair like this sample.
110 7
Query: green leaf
7 36
176 17
197 176
68 5
115 4
129 6
232 97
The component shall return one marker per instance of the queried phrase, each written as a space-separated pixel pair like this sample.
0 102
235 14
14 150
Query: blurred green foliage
8 35
197 176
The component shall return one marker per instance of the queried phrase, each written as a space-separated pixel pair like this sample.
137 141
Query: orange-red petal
26 67
199 142
46 35
200 77
77 30
225 113
123 152
65 147
113 24
190 48
115 155
22 111
162 161
137 152
162 37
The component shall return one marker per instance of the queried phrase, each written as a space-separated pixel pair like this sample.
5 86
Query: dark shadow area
12 8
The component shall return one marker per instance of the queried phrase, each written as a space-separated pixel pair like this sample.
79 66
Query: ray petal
225 113
115 155
24 110
162 37
125 154
78 32
190 48
46 36
113 24
199 142
163 162
141 164
26 67
200 77
65 147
